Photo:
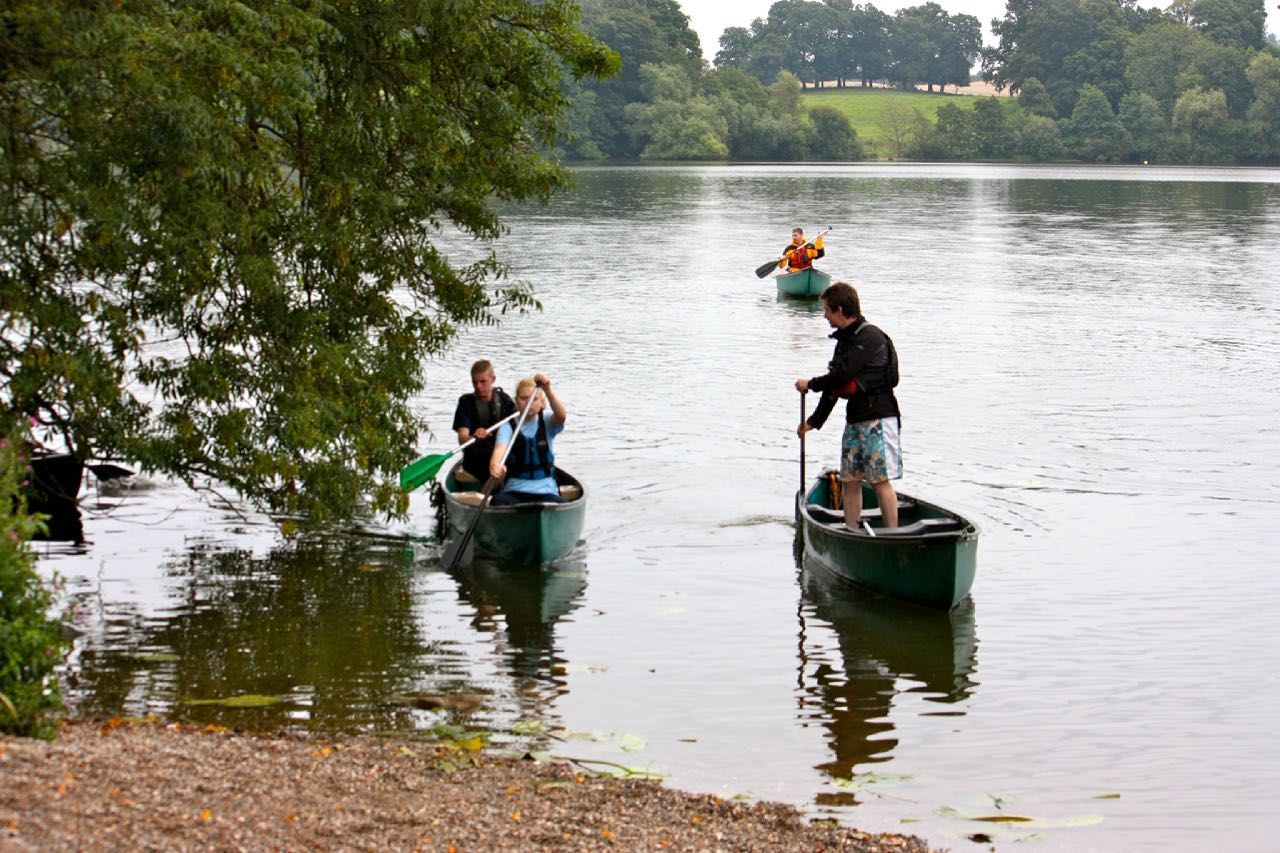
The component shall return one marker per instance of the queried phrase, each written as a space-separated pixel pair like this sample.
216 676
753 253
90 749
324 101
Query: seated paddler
800 253
530 466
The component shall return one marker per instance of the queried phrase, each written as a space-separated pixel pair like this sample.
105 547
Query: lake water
1089 361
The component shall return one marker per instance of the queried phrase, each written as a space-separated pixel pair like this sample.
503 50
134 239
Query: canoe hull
528 534
931 569
803 284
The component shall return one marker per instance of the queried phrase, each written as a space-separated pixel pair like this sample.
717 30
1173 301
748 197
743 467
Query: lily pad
247 700
157 657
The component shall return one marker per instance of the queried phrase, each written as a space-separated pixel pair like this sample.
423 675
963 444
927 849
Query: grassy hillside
883 116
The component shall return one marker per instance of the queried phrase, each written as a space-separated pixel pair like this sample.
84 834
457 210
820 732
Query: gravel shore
152 786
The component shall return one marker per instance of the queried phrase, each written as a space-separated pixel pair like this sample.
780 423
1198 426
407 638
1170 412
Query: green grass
881 116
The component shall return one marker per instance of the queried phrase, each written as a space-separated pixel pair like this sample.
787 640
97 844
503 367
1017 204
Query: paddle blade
764 269
416 473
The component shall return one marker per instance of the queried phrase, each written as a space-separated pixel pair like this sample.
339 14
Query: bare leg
888 500
852 490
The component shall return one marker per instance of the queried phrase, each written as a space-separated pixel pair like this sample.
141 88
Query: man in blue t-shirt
530 466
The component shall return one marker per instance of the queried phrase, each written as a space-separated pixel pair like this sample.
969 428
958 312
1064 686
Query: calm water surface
1089 371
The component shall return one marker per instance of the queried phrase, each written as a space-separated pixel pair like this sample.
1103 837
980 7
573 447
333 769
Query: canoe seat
923 527
571 492
906 506
825 515
469 498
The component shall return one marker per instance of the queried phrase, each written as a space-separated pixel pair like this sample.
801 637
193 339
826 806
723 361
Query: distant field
882 115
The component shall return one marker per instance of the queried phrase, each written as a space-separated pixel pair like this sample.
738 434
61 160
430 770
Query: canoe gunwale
930 569
535 532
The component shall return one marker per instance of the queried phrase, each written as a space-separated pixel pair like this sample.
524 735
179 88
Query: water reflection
520 607
326 625
858 652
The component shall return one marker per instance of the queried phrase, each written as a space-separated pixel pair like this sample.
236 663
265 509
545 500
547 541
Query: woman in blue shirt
530 466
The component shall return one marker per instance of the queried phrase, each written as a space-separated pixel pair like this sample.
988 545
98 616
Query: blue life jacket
532 460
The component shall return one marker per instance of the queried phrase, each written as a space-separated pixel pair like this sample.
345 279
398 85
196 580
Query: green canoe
803 284
529 534
928 559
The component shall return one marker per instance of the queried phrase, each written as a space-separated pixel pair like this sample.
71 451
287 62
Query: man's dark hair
481 366
842 297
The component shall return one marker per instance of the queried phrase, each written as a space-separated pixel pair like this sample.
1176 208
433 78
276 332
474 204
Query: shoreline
154 785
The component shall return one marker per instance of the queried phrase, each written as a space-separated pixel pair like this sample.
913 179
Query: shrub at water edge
31 646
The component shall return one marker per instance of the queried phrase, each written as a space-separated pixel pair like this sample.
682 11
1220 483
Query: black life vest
874 378
532 460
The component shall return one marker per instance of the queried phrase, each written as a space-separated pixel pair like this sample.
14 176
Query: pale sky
709 18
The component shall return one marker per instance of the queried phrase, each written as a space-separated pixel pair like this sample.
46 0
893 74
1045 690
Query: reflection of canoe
928 559
884 648
530 534
803 283
53 491
527 603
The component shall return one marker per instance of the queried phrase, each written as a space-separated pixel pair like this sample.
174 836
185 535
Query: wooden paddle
764 269
802 419
459 551
416 473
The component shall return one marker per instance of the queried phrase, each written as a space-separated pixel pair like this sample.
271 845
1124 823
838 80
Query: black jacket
862 352
472 415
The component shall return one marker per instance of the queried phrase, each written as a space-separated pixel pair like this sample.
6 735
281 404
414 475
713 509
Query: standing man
864 369
476 413
797 255
530 469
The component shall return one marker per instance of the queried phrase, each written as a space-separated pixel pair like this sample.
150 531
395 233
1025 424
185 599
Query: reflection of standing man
861 369
476 413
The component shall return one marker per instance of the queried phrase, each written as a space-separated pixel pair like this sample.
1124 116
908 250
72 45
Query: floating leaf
1107 797
1003 818
248 700
529 727
157 657
846 784
631 743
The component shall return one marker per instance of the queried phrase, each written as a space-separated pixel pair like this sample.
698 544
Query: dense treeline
666 105
1197 83
1094 80
836 41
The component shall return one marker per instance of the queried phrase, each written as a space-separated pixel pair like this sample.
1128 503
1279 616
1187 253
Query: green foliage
673 124
763 123
1234 23
1264 113
221 250
992 136
1036 138
643 32
951 138
833 137
30 643
1156 58
1147 126
1093 133
1201 126
1033 98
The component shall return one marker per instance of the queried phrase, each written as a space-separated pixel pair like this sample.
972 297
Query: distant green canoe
928 559
803 284
529 534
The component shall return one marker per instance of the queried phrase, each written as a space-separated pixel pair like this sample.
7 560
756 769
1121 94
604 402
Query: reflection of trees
327 623
520 606
882 648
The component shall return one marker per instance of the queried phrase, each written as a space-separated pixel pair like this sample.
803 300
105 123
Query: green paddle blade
416 473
